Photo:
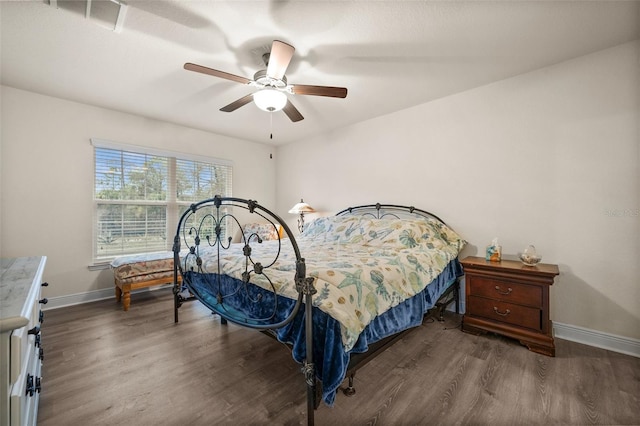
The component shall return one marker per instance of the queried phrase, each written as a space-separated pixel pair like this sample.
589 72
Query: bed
365 276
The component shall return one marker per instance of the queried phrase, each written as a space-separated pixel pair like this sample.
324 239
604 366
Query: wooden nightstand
511 299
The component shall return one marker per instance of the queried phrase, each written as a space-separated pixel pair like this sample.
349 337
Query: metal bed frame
207 231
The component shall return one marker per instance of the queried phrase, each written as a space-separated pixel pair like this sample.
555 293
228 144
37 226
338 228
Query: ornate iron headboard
380 211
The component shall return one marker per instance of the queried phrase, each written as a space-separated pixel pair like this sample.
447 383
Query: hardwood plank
104 366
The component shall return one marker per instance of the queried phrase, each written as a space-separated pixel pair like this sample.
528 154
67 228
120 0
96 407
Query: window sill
99 266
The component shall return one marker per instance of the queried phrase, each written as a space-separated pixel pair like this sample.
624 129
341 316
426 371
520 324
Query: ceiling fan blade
292 112
237 104
334 92
279 58
210 71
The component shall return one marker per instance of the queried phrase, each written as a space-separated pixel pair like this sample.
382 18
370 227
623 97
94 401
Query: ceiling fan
272 83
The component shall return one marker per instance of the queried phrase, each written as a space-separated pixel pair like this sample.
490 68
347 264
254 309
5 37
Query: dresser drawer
26 340
522 294
521 316
25 394
21 352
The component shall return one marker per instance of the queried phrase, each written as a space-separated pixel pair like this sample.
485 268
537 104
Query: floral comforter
362 266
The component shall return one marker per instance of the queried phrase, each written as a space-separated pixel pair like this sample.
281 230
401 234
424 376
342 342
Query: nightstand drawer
521 316
506 291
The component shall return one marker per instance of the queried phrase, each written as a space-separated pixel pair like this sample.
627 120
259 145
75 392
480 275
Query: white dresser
21 352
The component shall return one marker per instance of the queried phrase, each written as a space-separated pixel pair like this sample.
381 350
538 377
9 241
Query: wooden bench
140 271
123 290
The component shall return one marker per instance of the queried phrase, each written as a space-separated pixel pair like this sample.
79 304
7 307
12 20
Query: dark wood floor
104 366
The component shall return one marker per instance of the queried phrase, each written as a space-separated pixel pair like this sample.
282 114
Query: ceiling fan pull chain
271 124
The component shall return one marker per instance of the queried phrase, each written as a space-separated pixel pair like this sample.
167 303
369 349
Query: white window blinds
140 194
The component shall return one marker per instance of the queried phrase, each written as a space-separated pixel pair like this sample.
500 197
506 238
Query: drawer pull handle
35 330
509 290
45 284
30 386
44 301
502 314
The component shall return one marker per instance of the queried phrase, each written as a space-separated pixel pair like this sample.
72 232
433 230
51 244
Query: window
140 195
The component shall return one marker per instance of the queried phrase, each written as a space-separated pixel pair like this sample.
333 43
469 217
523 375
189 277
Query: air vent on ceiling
106 13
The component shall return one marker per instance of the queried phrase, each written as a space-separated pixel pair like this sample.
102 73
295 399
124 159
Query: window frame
172 204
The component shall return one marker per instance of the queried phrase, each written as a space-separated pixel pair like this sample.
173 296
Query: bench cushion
143 267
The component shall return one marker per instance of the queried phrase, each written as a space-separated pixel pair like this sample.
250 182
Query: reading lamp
301 208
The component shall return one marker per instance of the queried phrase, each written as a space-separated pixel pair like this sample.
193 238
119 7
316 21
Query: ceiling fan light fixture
270 100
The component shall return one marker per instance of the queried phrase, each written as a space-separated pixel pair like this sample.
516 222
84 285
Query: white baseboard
92 296
611 342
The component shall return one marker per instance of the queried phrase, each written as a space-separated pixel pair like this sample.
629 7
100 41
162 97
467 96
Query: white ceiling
391 55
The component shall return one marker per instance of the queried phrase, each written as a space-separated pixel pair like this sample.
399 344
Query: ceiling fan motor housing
263 80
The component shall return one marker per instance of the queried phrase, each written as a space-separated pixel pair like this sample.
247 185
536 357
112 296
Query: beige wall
47 178
549 158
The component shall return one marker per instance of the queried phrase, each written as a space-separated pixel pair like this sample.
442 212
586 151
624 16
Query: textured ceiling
391 55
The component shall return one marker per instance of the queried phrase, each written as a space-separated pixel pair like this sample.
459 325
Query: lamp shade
301 207
270 100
